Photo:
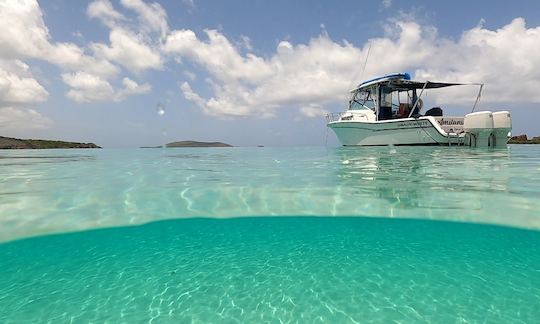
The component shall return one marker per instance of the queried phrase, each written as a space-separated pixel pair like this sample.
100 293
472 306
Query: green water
431 235
252 270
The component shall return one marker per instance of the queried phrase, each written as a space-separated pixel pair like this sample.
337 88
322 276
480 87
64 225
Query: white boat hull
408 131
479 129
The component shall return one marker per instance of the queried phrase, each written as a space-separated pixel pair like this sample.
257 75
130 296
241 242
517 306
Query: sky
130 73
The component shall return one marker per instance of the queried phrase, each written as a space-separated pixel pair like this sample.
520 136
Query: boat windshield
362 100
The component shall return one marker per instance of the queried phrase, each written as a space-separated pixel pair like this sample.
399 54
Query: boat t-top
388 111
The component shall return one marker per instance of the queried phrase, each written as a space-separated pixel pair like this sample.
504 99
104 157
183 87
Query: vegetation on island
16 143
522 139
192 144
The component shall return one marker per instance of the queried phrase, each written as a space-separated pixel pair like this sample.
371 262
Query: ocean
249 235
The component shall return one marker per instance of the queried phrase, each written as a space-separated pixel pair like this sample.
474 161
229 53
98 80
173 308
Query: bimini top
402 82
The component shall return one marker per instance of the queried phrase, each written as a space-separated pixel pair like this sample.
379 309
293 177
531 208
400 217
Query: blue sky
248 72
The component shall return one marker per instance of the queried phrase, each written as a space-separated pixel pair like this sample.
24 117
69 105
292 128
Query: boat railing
332 117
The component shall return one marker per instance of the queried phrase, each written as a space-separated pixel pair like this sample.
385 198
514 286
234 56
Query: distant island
192 144
522 139
16 143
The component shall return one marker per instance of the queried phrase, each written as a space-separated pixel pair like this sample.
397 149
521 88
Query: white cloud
306 76
246 43
104 11
190 95
24 35
91 88
250 85
130 88
313 110
386 3
87 87
129 50
319 72
17 85
152 16
190 75
21 118
71 57
131 45
218 55
502 59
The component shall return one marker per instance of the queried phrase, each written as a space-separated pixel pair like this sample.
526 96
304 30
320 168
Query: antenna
363 69
365 62
478 97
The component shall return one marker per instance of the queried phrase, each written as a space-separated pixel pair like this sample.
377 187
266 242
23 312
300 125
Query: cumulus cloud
21 118
251 85
129 50
152 16
317 73
103 10
131 88
190 95
500 58
387 3
307 76
313 110
131 45
87 87
24 35
218 55
17 85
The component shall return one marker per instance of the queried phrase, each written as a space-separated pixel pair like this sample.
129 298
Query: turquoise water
65 190
252 270
402 261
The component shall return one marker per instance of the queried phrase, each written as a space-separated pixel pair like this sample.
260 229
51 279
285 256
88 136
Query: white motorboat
387 111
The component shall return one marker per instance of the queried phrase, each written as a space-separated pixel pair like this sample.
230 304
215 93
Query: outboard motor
479 129
502 124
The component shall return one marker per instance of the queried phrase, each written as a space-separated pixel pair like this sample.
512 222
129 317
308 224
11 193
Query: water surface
64 190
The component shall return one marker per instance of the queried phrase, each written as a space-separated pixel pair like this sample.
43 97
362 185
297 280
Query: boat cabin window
385 108
362 100
402 106
386 97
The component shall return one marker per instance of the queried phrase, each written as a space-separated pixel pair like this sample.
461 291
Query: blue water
430 235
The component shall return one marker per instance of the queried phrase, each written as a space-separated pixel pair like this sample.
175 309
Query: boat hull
409 131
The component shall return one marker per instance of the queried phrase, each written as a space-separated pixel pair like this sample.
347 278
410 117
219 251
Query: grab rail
332 117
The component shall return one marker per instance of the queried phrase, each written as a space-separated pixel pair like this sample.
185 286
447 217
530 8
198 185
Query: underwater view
206 235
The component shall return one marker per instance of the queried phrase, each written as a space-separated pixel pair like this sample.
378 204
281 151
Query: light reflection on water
65 190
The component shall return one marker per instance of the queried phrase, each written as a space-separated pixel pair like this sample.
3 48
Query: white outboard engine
502 124
478 127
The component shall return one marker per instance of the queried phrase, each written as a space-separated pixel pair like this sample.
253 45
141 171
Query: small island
191 144
16 143
522 139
